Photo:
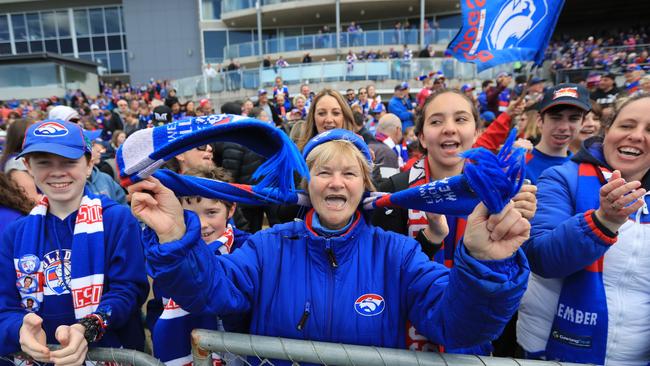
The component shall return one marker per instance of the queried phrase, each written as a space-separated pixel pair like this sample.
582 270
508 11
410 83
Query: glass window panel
126 62
4 28
99 43
36 46
236 37
22 47
116 62
121 19
102 60
66 45
63 23
114 43
49 25
5 48
124 42
112 20
83 44
81 22
34 26
52 45
211 9
19 26
97 21
86 56
213 43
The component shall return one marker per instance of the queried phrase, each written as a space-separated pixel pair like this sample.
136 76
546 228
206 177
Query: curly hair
13 196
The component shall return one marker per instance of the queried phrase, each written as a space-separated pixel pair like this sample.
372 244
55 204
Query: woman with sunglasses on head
197 159
589 298
333 277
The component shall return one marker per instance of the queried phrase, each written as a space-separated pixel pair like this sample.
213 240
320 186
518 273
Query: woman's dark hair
14 139
255 112
13 196
419 119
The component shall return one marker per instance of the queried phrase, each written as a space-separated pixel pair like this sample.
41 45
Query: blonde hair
299 96
324 153
309 128
532 130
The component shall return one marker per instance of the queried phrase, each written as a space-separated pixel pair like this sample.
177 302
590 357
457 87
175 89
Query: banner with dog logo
501 31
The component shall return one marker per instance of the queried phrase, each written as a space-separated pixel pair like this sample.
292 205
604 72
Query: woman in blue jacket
333 277
589 299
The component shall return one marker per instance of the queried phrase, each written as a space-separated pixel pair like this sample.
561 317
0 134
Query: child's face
214 217
61 179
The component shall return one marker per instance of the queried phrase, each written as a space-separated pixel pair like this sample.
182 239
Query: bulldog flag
500 31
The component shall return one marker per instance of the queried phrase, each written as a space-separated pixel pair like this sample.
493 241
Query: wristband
94 326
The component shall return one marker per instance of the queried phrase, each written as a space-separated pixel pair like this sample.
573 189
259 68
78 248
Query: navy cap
402 86
56 137
338 134
566 94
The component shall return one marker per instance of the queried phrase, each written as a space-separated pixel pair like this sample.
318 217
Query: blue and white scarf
171 335
493 179
83 278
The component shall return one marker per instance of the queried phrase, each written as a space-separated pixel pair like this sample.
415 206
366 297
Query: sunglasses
202 148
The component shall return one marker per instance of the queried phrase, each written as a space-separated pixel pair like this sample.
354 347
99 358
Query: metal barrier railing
96 356
337 71
373 38
266 349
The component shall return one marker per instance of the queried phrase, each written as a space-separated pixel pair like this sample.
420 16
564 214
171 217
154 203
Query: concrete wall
162 39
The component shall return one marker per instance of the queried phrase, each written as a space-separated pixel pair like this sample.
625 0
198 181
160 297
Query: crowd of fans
587 146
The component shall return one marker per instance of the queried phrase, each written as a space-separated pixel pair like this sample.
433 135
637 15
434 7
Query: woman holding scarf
589 298
376 280
447 127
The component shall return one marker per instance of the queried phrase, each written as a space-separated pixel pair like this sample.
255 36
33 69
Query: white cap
63 113
94 106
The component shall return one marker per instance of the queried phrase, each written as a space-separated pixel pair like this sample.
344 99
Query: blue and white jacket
125 281
357 288
563 241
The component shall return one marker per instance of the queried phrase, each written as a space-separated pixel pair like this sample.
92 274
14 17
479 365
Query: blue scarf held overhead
81 275
493 179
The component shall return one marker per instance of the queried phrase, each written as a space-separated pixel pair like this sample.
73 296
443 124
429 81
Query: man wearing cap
64 113
607 91
468 90
399 106
263 102
498 97
633 75
535 91
161 115
73 244
562 111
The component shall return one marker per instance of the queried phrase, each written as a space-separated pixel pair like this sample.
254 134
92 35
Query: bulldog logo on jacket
369 305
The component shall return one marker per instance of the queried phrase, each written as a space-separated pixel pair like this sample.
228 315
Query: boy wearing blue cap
562 111
74 246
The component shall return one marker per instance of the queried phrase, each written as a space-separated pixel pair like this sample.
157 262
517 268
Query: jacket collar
342 247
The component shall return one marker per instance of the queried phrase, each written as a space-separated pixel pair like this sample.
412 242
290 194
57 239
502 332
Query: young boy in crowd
562 111
82 252
171 332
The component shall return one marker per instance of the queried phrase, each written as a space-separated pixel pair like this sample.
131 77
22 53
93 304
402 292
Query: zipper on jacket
330 286
330 254
304 317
